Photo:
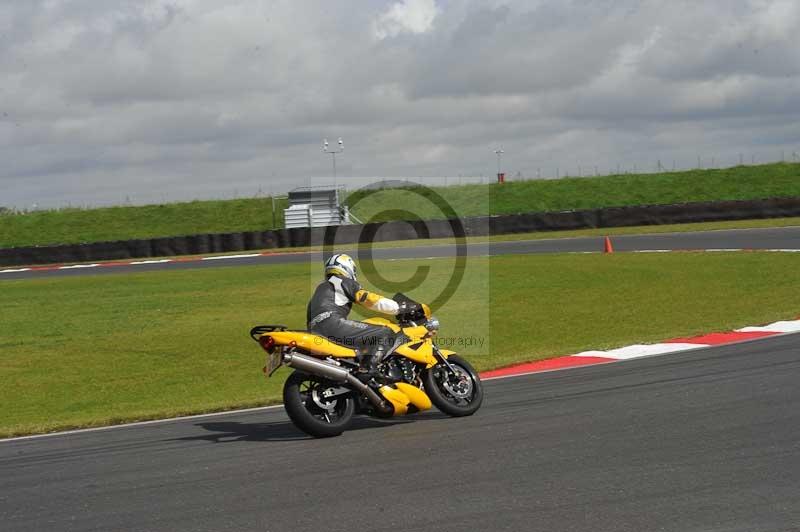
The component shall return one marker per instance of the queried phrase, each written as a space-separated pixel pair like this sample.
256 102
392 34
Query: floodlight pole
499 152
333 153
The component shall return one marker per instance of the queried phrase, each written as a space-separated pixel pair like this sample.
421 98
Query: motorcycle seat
316 343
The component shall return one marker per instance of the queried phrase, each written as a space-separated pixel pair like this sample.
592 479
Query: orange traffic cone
608 248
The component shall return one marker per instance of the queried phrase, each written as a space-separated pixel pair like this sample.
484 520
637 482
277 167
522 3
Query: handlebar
410 310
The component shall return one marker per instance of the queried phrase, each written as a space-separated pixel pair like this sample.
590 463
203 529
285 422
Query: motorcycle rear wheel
310 411
459 395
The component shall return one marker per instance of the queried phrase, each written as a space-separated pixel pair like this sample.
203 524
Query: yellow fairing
316 345
417 332
417 397
426 310
420 351
384 322
399 400
446 352
404 395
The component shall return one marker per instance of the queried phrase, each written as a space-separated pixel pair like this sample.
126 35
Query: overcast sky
103 102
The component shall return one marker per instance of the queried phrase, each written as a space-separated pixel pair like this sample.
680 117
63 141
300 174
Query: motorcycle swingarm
335 392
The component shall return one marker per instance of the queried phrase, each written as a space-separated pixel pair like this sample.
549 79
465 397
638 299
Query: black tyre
311 411
455 395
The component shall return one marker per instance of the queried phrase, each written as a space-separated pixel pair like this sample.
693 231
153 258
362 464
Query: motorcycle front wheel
314 407
457 395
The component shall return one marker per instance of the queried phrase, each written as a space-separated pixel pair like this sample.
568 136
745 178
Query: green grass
69 226
120 223
90 351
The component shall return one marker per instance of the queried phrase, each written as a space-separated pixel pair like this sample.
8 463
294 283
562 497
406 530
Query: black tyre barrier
710 211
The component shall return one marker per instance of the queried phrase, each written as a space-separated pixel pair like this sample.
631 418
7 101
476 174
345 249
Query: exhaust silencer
316 367
335 373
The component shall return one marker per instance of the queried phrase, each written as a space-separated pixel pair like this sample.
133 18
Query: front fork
443 359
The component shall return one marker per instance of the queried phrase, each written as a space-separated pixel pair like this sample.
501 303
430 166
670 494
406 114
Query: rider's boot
369 363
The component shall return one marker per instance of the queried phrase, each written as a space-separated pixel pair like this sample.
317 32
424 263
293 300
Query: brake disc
460 386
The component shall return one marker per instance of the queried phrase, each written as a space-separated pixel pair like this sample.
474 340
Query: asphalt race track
770 238
704 440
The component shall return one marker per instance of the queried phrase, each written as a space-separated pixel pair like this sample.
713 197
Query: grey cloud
728 39
183 99
499 51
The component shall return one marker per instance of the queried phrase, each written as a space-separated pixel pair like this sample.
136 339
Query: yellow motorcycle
327 389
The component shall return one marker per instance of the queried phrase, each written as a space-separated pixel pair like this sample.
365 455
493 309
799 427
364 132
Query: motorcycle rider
331 303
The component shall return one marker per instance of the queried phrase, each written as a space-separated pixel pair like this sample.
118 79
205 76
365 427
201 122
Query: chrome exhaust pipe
336 373
316 367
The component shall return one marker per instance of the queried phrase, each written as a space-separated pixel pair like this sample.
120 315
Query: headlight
432 324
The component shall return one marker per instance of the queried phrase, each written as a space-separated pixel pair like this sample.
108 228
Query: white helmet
341 265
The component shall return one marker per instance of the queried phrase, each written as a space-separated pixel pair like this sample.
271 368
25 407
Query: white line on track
160 261
788 326
78 266
483 255
226 257
255 255
426 258
140 423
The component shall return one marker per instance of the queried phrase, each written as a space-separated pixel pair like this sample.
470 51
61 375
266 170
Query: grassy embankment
120 223
741 182
71 226
96 350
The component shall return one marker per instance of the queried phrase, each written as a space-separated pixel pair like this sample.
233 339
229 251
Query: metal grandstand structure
316 207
